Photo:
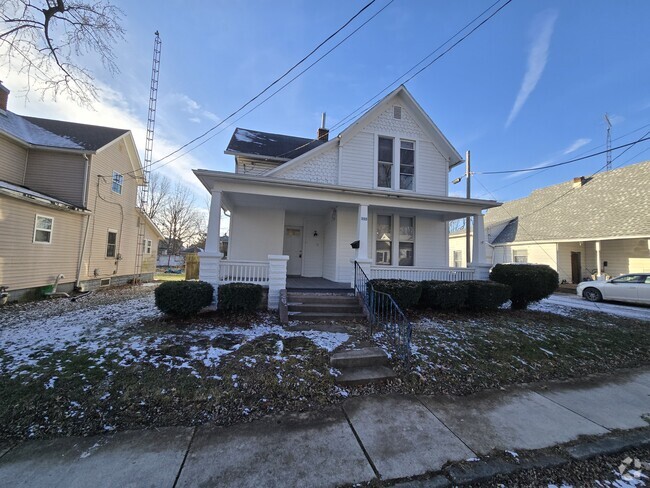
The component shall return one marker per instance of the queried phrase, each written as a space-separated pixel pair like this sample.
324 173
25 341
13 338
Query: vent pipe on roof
323 133
4 97
578 182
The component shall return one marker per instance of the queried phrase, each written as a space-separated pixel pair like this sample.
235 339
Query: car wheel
592 294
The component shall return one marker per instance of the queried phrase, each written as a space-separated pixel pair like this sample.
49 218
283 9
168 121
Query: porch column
214 223
277 278
598 261
481 267
210 259
362 226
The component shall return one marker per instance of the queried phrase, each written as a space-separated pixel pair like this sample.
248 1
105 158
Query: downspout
85 238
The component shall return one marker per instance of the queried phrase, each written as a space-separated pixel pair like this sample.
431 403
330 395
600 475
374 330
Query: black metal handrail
384 312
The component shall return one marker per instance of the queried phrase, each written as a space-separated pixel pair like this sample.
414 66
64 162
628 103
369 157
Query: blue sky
530 87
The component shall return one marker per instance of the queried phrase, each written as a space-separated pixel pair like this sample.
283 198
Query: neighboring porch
315 236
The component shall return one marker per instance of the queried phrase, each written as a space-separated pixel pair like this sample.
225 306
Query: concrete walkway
390 437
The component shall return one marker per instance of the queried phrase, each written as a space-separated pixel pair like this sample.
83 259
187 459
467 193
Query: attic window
397 112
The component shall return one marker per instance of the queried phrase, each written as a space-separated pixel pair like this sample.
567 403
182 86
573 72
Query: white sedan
633 288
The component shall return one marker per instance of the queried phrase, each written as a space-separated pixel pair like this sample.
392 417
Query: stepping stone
365 375
367 356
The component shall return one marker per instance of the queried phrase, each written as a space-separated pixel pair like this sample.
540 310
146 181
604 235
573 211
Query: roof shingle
268 145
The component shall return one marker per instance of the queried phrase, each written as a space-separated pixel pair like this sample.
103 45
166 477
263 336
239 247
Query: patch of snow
547 351
512 453
563 304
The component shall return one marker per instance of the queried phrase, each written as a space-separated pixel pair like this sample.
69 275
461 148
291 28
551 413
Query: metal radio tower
608 152
143 194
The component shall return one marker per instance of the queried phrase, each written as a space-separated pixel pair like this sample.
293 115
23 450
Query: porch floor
298 283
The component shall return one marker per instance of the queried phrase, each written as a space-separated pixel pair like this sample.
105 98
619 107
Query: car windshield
630 279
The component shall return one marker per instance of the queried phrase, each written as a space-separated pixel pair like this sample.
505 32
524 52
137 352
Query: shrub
528 282
183 298
405 293
444 295
486 295
240 297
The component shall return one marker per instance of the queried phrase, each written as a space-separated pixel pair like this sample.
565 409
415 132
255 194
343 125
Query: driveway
563 303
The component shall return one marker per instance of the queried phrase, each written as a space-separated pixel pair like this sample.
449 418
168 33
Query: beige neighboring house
68 196
584 228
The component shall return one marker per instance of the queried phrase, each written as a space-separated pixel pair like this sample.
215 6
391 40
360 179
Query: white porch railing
421 274
244 272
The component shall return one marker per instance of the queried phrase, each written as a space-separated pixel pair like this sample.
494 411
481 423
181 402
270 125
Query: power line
268 87
527 170
397 80
276 91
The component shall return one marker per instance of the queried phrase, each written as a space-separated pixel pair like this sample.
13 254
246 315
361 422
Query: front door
576 267
293 249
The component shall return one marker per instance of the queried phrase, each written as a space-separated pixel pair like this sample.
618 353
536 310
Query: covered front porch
281 230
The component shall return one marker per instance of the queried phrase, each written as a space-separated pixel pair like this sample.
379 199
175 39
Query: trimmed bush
406 293
183 298
444 295
529 282
486 295
240 297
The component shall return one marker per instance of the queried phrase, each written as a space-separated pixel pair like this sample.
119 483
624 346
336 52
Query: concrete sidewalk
388 437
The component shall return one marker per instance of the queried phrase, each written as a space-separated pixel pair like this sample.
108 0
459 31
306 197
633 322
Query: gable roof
269 146
20 128
90 137
607 205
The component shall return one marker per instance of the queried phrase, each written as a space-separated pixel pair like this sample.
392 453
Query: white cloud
193 108
577 144
112 110
537 57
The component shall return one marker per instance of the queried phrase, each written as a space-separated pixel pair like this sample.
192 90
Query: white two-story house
376 194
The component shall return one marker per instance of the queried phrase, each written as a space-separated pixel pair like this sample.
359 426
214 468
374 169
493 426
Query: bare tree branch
45 40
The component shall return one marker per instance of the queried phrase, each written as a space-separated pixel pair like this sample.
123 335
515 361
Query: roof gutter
43 201
255 156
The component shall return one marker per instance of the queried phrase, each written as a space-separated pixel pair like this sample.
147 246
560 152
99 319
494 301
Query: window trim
395 240
119 181
36 228
525 255
108 233
396 164
147 245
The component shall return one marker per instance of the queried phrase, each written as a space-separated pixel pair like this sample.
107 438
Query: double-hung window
520 256
458 259
43 229
384 240
385 163
389 175
118 182
406 164
111 244
406 240
146 246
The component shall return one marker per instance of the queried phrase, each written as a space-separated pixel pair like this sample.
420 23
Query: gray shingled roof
20 128
90 137
611 204
268 145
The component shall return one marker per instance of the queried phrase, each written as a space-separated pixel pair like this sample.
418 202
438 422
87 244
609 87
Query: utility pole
468 237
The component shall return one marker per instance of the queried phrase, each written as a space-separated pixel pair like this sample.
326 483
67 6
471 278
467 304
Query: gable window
520 256
406 164
385 163
111 244
118 182
406 240
146 246
43 229
458 259
384 238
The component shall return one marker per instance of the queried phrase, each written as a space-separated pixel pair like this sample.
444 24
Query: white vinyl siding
358 161
432 170
43 228
58 175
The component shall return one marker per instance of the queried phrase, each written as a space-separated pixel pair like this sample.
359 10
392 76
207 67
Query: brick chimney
323 133
4 97
578 181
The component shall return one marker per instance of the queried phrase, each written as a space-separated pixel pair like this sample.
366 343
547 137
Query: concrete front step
314 298
316 316
363 376
324 307
359 358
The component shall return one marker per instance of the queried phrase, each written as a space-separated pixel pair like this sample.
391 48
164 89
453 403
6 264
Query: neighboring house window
118 182
406 240
146 246
458 259
385 163
520 256
43 229
406 164
111 244
384 238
